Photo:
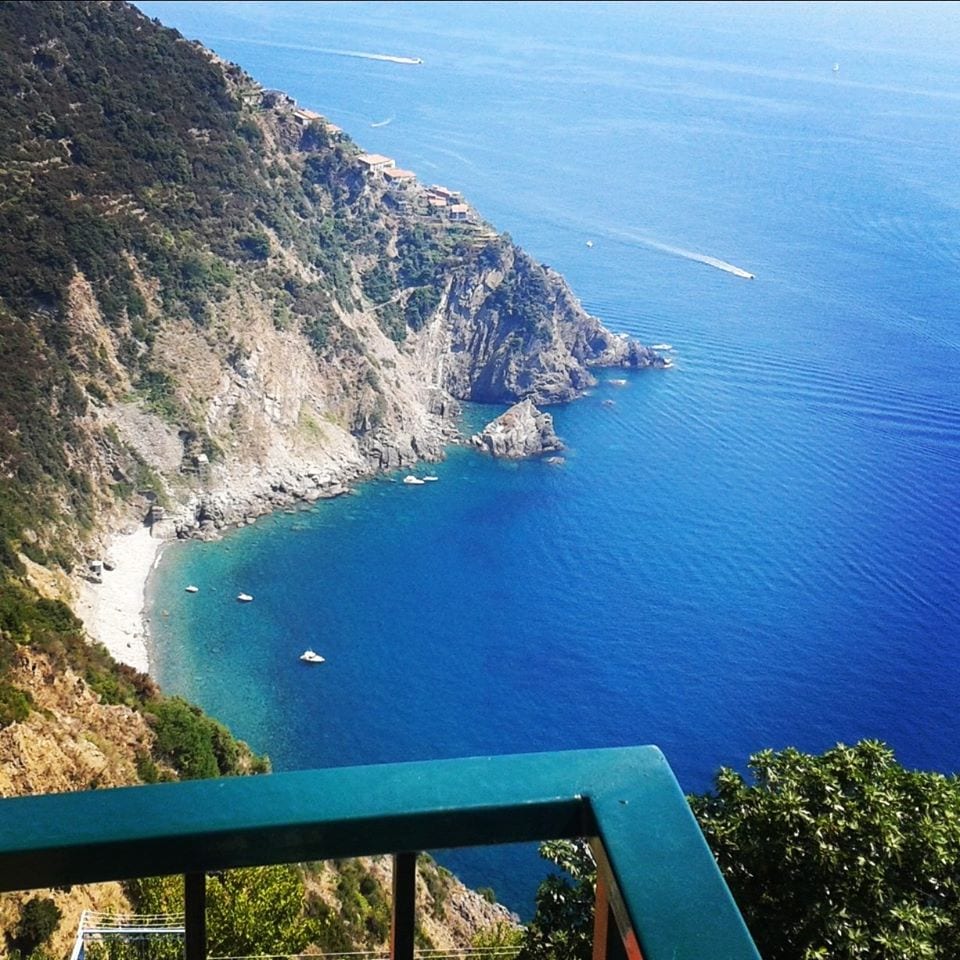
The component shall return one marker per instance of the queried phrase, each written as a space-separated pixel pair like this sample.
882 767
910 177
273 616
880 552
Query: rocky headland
215 305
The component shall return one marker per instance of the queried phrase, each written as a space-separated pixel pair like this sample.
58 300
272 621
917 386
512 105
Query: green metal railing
658 883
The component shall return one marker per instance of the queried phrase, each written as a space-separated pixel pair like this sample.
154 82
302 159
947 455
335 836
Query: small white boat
589 243
244 597
308 656
430 479
411 479
192 589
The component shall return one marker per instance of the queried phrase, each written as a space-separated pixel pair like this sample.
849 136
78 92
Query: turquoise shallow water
757 548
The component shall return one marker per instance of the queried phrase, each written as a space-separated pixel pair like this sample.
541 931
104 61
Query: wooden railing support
613 935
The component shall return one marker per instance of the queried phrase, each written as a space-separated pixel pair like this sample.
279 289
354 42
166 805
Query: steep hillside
206 288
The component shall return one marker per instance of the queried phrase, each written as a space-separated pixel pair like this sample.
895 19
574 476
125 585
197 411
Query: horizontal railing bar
467 952
107 916
168 828
104 917
673 894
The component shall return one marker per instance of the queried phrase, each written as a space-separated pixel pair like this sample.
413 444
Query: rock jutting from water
522 431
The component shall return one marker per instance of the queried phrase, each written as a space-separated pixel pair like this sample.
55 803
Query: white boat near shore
244 597
192 589
308 656
413 480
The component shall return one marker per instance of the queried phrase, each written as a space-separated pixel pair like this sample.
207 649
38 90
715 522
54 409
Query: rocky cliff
509 329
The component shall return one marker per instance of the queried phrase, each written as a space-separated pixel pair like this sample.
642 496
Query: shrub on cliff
15 704
420 305
195 745
38 919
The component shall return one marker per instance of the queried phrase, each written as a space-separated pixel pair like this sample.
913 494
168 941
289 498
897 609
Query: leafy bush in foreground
845 855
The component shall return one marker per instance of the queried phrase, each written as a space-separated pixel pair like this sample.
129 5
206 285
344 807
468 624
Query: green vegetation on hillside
255 911
188 741
132 162
128 157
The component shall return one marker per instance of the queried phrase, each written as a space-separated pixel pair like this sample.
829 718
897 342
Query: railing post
607 944
404 906
195 915
613 935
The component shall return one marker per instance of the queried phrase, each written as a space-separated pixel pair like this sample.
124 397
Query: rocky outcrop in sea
522 431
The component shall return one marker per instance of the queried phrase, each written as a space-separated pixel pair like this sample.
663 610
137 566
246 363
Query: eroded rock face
509 328
522 431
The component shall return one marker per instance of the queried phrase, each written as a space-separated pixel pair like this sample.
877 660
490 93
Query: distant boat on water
836 68
308 656
191 589
244 597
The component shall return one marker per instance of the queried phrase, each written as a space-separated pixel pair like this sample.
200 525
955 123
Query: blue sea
757 548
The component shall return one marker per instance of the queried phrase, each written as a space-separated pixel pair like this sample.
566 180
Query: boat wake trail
382 123
360 55
698 258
